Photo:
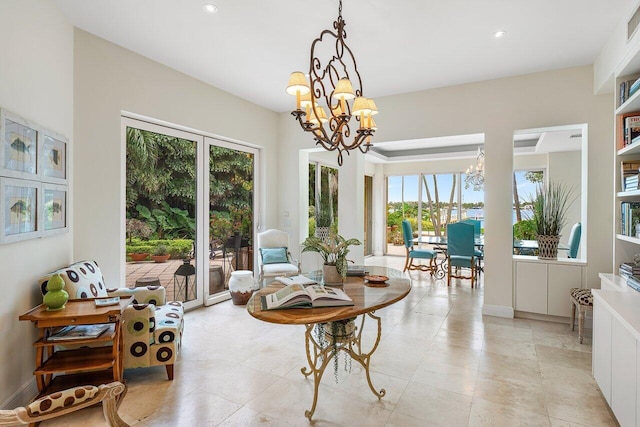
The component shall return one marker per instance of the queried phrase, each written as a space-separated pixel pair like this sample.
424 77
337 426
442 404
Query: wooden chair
461 251
413 253
67 401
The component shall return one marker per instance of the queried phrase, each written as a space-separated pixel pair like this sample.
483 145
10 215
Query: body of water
479 215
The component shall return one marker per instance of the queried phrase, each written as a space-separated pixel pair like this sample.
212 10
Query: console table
366 301
81 366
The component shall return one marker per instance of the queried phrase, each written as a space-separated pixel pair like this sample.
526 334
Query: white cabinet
623 374
531 287
616 352
542 286
601 356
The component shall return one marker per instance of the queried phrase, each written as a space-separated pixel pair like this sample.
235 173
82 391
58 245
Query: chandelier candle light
475 175
331 85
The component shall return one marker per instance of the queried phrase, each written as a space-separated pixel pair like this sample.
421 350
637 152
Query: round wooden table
321 350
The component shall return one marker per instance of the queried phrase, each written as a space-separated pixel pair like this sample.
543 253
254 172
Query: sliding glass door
231 213
190 198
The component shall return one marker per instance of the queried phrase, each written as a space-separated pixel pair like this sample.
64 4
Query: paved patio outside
165 271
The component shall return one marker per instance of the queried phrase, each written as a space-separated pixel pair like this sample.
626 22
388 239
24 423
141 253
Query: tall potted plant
334 252
550 215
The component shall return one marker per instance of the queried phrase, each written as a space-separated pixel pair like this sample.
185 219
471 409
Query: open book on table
297 296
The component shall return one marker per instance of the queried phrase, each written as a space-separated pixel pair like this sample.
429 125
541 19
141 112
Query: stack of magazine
634 282
80 332
628 269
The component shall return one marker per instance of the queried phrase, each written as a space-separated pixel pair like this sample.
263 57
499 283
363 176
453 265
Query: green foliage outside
524 230
178 248
161 187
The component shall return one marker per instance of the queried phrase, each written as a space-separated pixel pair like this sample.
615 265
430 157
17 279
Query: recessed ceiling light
210 8
499 34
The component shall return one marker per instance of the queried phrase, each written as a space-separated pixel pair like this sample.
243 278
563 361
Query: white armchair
274 257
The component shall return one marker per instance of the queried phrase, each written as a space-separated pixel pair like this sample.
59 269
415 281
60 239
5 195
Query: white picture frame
54 209
20 217
52 161
19 146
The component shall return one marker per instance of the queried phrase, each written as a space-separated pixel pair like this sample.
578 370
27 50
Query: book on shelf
631 183
629 169
630 267
631 129
633 88
79 332
297 296
298 280
625 89
634 282
629 215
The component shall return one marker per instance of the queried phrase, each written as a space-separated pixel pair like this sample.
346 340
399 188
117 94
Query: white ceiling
249 47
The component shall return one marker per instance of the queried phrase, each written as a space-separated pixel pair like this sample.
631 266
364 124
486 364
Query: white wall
36 82
110 79
566 167
496 108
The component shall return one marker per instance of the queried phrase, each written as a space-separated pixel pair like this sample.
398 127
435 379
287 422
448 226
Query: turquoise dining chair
413 253
461 251
574 240
478 253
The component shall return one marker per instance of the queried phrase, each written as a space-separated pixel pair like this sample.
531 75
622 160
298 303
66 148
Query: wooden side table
59 369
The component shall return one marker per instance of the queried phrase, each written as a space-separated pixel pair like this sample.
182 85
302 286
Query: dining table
381 288
520 246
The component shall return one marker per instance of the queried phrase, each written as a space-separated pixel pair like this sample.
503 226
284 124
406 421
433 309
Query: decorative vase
340 331
330 274
241 286
548 246
56 297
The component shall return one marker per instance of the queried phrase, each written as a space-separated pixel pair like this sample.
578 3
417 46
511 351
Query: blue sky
525 188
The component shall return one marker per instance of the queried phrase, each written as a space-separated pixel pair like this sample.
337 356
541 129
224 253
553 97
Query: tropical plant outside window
434 199
524 187
161 190
323 199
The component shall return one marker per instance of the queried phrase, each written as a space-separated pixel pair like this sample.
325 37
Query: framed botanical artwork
54 209
19 202
52 166
19 146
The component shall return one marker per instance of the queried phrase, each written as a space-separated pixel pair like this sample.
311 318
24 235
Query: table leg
320 352
441 267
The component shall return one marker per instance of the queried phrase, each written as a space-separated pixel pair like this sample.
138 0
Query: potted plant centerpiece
334 255
550 215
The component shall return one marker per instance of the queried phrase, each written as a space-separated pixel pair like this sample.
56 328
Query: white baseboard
21 397
497 311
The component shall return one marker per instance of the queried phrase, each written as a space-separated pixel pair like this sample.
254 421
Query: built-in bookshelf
627 165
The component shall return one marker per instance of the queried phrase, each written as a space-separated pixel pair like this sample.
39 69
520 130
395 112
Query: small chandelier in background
332 86
474 176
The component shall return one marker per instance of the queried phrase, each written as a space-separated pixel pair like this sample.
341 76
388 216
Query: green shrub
524 230
178 248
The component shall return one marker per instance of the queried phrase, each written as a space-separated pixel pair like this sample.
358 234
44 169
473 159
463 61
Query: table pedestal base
321 351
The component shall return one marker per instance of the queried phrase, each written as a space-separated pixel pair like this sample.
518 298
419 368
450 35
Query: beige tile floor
441 362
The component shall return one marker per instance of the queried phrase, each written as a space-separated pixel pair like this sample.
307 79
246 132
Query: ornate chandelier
332 86
474 176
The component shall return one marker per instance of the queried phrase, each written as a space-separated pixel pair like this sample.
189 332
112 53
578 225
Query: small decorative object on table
241 286
376 281
56 297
